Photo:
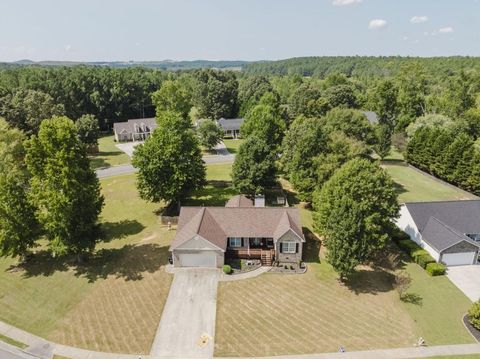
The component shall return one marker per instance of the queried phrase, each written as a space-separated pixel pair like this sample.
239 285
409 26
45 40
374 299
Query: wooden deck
267 256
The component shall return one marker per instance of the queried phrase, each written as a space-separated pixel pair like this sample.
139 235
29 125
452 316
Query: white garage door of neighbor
458 259
199 259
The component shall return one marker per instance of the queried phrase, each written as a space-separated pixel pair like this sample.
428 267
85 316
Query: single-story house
134 130
206 235
231 126
448 230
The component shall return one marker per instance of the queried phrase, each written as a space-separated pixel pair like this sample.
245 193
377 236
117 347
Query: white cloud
418 19
445 30
377 24
68 47
345 2
405 38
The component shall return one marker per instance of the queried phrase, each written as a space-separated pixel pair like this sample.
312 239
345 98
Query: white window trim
235 242
287 247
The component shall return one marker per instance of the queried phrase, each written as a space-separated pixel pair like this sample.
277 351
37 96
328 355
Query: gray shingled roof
445 223
464 216
216 224
230 124
129 125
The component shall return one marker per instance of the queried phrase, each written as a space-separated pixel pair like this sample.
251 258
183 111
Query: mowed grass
233 144
413 186
218 189
312 313
111 303
13 342
108 155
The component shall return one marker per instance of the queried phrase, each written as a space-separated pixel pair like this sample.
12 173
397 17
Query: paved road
8 351
128 168
187 327
467 279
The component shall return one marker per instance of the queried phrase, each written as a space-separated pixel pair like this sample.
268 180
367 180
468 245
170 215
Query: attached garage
197 259
458 259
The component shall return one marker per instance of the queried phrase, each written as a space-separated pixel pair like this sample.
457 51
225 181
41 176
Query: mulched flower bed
243 265
293 268
474 331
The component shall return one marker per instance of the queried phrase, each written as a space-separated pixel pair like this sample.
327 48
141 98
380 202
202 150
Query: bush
435 269
474 315
227 269
424 259
418 252
408 246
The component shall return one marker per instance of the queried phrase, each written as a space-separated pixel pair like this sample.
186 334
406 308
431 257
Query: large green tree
88 130
265 122
19 228
254 166
25 109
355 211
351 122
209 134
412 88
172 97
64 188
215 94
383 100
250 91
303 142
169 162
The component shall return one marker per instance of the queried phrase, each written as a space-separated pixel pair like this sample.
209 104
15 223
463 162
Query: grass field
233 144
413 186
275 314
116 296
108 154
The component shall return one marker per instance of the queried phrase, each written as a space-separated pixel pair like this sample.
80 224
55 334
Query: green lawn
104 303
108 155
413 186
233 144
13 342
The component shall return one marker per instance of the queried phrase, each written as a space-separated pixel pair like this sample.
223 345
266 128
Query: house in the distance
448 230
134 130
241 229
231 126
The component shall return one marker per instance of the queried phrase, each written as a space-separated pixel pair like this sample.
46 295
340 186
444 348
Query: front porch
252 248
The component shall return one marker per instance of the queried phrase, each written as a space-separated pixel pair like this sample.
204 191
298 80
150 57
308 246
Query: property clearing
109 155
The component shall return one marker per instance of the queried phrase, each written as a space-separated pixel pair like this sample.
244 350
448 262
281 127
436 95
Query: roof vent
259 200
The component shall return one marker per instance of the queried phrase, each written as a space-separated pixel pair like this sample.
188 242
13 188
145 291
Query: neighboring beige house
134 130
229 126
206 235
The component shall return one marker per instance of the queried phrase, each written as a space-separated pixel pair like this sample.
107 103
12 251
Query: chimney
259 200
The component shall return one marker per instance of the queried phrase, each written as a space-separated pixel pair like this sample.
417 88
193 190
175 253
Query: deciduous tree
64 188
19 228
169 162
355 211
209 133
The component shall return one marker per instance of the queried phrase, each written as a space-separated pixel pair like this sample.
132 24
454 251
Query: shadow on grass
128 262
412 298
121 229
97 163
215 193
370 281
311 249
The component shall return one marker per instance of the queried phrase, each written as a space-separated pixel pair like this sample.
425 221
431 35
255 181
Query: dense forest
405 93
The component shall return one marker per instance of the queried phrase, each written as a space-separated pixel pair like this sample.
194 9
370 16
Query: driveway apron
187 327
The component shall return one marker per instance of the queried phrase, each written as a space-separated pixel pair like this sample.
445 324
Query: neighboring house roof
230 124
371 117
239 201
216 224
446 223
130 125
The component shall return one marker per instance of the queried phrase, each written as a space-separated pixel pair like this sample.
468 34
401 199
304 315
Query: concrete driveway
467 279
128 147
187 327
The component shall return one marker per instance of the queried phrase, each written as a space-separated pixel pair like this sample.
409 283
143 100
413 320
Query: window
235 242
289 247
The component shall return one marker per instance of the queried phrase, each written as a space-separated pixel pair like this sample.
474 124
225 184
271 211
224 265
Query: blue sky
106 30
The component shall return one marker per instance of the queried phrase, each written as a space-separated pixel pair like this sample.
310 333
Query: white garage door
199 259
457 259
